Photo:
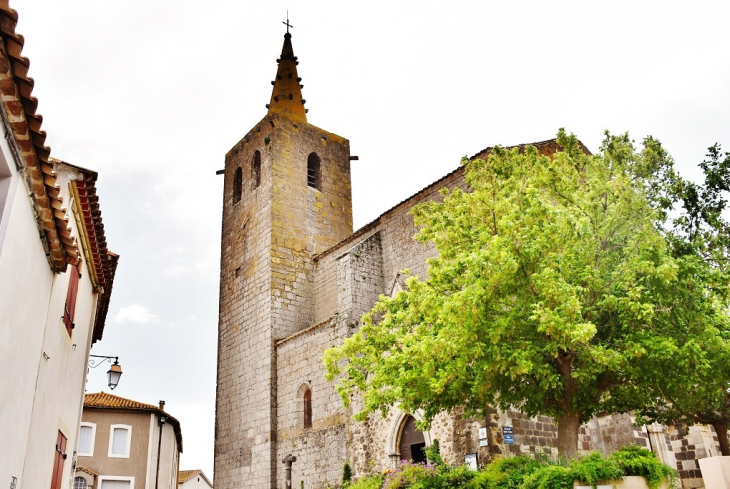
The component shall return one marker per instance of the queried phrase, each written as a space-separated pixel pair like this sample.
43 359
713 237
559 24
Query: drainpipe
163 419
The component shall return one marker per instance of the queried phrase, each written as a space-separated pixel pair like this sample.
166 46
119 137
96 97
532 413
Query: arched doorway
412 442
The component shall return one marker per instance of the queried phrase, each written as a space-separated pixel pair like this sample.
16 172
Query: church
296 279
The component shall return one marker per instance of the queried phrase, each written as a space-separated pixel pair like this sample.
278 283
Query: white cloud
135 314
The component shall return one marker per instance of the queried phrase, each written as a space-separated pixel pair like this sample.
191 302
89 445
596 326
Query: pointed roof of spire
286 97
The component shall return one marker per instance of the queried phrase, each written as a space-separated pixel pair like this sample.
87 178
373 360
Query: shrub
433 453
549 477
412 475
506 473
593 468
346 475
368 482
634 460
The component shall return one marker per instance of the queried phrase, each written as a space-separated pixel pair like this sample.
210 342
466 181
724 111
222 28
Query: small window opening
313 171
256 169
237 185
307 409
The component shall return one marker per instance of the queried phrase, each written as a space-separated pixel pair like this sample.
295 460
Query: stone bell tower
287 197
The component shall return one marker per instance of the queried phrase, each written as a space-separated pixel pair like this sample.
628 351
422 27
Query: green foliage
346 474
526 472
549 477
555 292
594 467
698 343
634 460
507 473
368 482
433 453
427 476
412 475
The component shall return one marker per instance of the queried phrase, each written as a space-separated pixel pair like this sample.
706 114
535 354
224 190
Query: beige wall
142 461
134 466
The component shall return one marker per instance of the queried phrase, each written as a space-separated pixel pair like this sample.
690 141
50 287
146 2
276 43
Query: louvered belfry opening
313 171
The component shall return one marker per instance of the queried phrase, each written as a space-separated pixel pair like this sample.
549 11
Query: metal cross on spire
287 24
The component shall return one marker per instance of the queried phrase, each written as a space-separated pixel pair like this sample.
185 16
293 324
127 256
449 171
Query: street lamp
115 371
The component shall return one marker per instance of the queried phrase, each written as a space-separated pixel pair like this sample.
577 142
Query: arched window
256 169
307 409
313 171
80 483
237 185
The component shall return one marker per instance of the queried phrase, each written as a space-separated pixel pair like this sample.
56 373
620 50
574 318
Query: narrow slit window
314 171
237 185
256 169
307 409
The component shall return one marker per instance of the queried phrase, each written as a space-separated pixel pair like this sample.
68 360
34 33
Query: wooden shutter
70 307
58 461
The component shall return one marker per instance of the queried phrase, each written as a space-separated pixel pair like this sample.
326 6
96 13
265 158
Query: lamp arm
104 358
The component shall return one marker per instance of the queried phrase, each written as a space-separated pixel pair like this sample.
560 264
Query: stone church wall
244 380
321 449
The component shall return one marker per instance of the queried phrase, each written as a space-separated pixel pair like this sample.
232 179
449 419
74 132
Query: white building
193 479
55 282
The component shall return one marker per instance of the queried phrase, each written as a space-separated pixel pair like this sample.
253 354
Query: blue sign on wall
507 435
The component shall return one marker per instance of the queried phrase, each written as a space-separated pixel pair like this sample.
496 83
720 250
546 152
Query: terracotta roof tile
103 262
103 400
28 144
80 468
186 475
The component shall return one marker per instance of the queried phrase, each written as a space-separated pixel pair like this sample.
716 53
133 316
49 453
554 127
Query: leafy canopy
551 280
689 375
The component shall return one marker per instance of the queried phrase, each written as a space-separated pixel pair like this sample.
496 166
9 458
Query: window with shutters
87 434
237 185
120 439
307 409
313 171
58 461
256 169
69 309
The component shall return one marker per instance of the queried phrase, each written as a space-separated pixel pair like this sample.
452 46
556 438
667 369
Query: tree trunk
721 430
568 426
569 419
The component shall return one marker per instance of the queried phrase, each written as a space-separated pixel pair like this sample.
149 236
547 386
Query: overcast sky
153 93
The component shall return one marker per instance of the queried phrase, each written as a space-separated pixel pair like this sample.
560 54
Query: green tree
690 381
551 278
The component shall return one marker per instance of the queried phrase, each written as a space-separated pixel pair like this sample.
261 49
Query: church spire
286 98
